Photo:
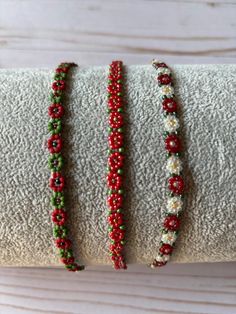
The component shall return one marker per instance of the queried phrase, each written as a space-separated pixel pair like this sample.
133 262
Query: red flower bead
172 223
74 267
116 248
116 120
161 65
117 234
158 263
115 201
62 70
176 184
115 161
59 217
173 143
166 249
58 85
55 111
114 77
115 220
115 102
67 261
169 105
63 243
114 88
115 140
116 63
54 143
56 182
114 180
164 79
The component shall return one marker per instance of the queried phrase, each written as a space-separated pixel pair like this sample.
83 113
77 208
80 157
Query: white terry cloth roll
207 97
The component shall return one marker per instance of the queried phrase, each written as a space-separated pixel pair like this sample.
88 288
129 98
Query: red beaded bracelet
174 165
115 164
55 163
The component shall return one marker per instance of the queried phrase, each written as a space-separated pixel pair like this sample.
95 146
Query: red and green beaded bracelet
173 147
115 165
55 163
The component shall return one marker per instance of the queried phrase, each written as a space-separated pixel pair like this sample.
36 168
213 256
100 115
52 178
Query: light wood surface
44 32
91 32
175 289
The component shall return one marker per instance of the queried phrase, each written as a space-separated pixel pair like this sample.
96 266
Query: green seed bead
122 227
121 150
119 94
120 110
58 196
110 228
120 130
55 162
120 191
120 171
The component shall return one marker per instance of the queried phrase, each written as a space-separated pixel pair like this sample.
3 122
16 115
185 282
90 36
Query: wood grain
94 32
178 288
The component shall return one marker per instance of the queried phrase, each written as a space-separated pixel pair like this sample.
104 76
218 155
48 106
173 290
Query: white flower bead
174 205
162 258
169 237
174 165
167 90
171 123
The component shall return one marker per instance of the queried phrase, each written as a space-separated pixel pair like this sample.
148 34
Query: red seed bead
166 249
172 223
63 243
115 161
55 111
115 201
158 263
164 79
115 220
116 120
115 140
116 248
173 143
117 234
115 102
54 143
176 184
67 261
56 182
169 105
114 181
161 65
58 85
114 77
59 217
62 70
114 88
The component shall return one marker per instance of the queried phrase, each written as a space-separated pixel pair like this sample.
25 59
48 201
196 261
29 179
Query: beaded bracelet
174 165
55 163
115 163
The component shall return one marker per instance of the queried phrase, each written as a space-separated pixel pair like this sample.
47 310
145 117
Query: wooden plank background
44 32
